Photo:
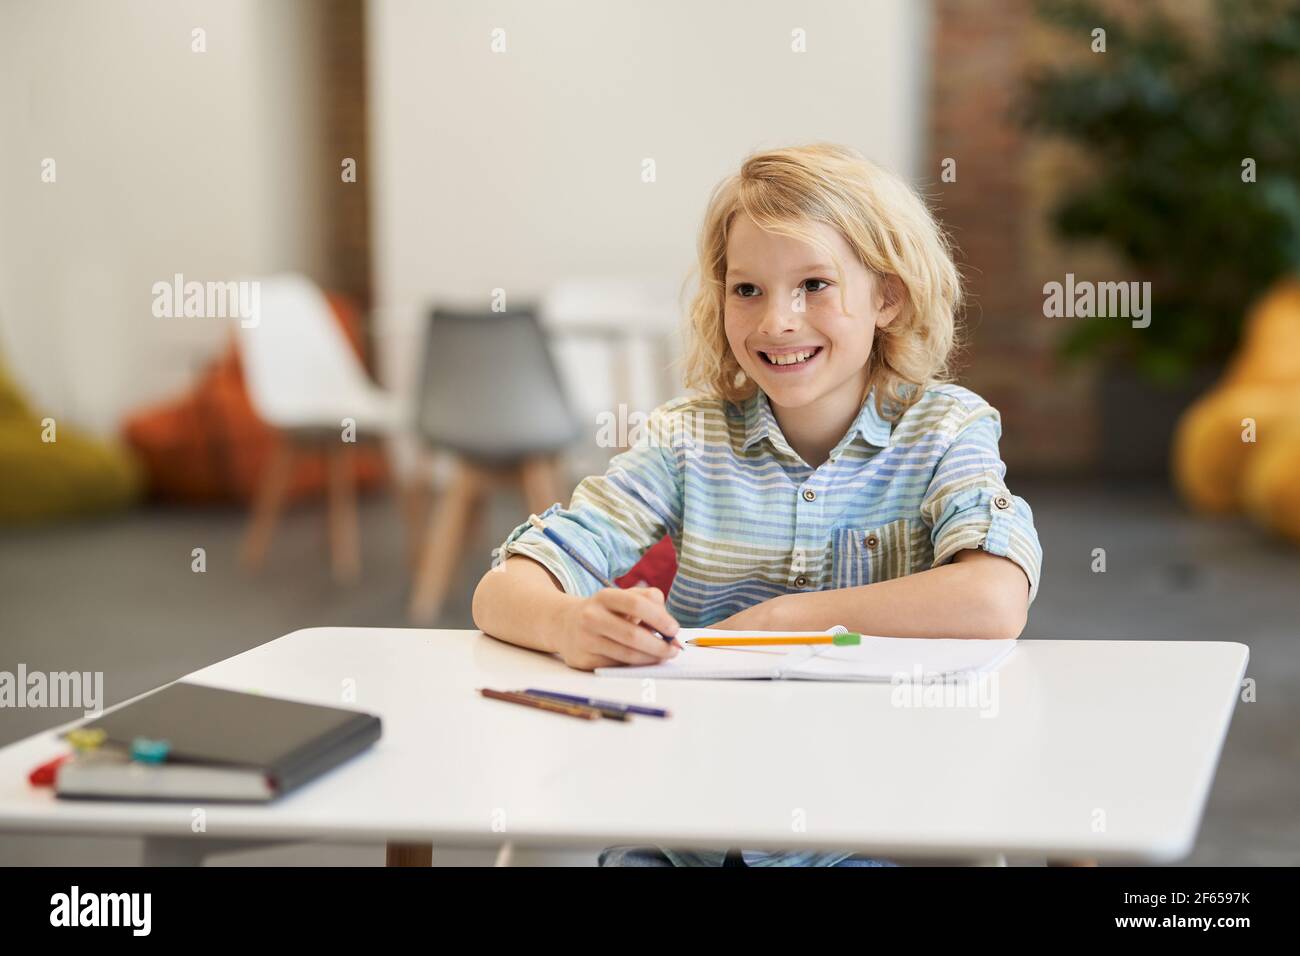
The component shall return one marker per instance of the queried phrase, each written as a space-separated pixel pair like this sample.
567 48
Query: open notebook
875 659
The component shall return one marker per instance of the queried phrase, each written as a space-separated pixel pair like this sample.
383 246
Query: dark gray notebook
223 745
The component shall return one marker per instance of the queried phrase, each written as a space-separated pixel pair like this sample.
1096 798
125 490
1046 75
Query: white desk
1100 749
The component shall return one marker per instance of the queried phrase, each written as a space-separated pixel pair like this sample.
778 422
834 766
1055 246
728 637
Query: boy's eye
747 290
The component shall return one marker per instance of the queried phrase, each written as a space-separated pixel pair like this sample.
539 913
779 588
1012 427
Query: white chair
620 312
305 380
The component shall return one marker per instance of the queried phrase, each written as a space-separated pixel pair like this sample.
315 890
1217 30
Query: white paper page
718 663
881 658
875 659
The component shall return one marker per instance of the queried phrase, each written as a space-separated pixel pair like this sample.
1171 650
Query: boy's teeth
791 358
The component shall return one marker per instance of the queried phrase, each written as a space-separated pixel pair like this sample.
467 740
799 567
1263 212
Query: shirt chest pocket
870 555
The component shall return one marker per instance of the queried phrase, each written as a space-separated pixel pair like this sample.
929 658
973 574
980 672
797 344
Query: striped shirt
751 520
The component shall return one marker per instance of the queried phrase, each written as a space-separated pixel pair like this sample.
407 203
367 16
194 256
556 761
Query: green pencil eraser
842 639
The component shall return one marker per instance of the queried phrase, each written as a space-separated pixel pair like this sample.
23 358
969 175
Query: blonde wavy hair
889 227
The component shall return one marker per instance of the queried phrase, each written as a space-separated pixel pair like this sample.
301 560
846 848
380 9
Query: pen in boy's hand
586 565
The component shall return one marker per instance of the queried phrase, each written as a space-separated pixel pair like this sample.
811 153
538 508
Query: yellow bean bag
1269 353
72 475
1238 447
1216 443
1271 489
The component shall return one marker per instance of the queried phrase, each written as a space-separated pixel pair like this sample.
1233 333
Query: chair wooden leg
444 545
415 514
409 854
345 543
474 526
267 504
541 483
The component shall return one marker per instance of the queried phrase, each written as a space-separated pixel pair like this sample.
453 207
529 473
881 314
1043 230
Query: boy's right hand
605 630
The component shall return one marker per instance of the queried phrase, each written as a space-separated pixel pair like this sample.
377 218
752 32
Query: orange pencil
839 640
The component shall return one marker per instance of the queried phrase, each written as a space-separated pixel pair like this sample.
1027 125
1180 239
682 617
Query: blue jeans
653 856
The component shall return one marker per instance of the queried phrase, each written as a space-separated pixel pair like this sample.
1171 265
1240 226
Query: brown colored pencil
555 706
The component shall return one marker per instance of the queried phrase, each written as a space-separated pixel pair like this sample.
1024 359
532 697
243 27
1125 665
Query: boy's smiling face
815 357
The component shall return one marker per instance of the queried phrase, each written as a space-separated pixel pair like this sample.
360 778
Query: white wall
487 170
209 164
512 170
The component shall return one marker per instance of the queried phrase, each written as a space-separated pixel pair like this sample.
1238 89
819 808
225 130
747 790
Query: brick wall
995 214
343 97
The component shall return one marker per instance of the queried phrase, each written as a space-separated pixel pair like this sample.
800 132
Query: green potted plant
1193 140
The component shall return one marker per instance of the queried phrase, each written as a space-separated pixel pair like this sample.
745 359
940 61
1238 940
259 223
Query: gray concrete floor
119 595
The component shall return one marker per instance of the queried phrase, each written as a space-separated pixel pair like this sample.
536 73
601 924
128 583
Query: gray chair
489 393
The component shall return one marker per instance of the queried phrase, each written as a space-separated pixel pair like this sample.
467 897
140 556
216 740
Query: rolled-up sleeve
968 504
612 518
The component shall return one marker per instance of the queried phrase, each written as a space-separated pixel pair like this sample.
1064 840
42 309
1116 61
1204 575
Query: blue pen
583 563
596 702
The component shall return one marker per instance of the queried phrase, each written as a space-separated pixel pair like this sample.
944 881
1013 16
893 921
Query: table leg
409 854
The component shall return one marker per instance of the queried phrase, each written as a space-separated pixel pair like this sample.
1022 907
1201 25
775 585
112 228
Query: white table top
1099 749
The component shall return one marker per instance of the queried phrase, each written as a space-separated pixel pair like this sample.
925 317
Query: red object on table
43 776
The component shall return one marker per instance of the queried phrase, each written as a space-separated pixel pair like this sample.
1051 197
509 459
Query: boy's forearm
981 598
521 602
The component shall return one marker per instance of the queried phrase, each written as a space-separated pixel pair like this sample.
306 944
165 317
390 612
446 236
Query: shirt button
1002 502
801 582
871 541
809 494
